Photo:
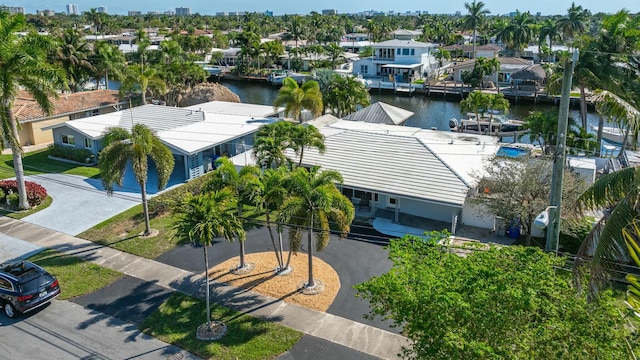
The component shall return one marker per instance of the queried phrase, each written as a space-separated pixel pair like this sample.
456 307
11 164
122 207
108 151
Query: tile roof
28 110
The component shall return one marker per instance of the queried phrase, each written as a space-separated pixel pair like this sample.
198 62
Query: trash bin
514 230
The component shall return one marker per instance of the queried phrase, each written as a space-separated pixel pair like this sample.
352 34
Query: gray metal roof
399 165
159 117
380 113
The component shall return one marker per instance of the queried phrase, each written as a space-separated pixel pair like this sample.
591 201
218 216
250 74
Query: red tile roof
27 109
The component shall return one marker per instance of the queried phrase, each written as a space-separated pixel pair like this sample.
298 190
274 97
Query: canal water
428 112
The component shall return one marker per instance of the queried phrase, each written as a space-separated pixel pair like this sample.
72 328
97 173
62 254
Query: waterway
428 112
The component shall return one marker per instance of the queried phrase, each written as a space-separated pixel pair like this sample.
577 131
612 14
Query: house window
68 139
95 112
405 51
375 197
413 51
364 69
392 202
87 143
398 51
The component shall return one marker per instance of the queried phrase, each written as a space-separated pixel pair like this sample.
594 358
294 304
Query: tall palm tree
296 98
143 80
109 60
24 64
496 103
476 103
138 146
549 31
313 204
575 22
521 30
73 56
202 218
476 14
307 137
271 142
226 176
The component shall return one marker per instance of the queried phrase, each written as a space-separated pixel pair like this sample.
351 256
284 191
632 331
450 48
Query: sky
279 7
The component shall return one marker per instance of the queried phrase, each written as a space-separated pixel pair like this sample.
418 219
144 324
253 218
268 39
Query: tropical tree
295 98
343 95
24 65
477 102
476 15
306 137
314 203
202 218
548 33
226 176
575 22
334 52
496 103
542 128
73 55
271 142
121 147
521 30
541 316
108 60
143 80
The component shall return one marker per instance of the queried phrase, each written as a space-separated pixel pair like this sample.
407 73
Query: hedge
36 193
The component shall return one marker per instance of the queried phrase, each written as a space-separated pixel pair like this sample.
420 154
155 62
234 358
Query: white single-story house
486 51
196 135
508 65
409 170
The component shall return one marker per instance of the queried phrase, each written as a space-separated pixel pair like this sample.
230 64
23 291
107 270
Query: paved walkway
364 338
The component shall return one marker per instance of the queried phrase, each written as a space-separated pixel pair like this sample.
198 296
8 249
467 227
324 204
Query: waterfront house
404 34
408 170
65 107
487 50
400 61
508 65
196 135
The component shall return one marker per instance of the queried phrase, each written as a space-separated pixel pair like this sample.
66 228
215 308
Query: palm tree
271 142
202 218
226 176
474 19
521 30
549 30
575 22
73 56
138 146
314 202
296 28
296 98
24 64
143 80
343 95
476 103
307 137
109 60
496 102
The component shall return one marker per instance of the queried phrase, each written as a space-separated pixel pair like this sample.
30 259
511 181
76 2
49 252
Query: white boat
499 126
612 134
277 78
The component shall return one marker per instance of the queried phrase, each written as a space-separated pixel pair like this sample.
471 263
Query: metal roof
391 164
395 43
380 113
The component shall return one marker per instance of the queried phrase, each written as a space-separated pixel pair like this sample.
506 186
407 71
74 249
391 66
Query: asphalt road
354 261
64 330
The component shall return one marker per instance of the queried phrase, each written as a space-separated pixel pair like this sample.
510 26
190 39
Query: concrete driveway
79 203
64 330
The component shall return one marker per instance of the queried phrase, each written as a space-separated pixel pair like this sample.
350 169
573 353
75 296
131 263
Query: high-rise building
134 13
183 11
46 12
72 9
12 9
329 12
102 9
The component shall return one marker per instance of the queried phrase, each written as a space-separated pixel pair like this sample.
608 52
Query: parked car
25 286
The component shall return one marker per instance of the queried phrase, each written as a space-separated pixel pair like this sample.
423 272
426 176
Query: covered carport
402 72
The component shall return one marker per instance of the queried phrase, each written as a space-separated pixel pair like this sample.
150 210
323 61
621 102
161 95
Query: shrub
13 200
162 203
36 194
573 232
78 155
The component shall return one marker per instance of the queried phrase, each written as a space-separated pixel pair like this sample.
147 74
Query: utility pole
553 230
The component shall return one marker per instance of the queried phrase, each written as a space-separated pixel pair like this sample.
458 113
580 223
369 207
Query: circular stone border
211 333
316 289
284 272
248 267
153 233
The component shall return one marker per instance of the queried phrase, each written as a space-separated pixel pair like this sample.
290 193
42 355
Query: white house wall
478 215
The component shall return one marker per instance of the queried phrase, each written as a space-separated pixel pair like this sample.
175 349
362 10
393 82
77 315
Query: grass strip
247 338
76 276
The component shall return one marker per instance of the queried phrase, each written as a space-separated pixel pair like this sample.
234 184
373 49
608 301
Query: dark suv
25 286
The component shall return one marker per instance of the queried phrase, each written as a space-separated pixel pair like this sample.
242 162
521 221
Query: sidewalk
364 338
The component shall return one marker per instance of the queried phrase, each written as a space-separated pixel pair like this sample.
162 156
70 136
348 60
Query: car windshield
34 284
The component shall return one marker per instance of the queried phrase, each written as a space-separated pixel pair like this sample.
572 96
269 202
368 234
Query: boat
499 126
276 77
612 134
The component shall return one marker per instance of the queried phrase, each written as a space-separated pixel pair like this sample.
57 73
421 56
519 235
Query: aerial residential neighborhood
205 182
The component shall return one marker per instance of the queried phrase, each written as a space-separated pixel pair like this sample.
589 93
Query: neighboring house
398 60
508 66
404 34
229 56
408 170
487 51
533 53
380 113
66 107
196 135
354 46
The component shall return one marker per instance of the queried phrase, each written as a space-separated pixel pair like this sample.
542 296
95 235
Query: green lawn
22 214
247 337
76 276
37 162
